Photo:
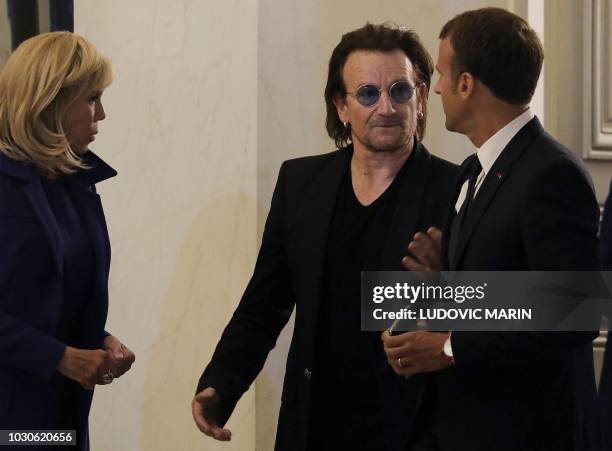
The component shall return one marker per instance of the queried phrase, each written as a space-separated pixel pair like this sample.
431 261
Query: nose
437 87
100 114
385 105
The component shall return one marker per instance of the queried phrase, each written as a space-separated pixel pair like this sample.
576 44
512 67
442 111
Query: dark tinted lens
367 95
401 92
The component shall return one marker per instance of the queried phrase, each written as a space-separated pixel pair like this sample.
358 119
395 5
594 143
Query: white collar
493 147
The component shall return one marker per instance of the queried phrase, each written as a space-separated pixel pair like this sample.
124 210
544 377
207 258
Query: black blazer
606 233
289 272
605 382
536 210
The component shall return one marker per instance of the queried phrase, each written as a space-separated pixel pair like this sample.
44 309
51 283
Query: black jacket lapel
407 213
496 176
314 221
451 213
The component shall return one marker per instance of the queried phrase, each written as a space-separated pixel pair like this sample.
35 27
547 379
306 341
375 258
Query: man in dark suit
331 217
523 202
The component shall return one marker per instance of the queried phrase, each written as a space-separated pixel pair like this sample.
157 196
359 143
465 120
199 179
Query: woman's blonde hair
39 81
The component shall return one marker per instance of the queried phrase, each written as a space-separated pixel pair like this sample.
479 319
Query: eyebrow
406 79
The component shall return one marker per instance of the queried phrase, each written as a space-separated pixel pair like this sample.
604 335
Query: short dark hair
499 48
384 37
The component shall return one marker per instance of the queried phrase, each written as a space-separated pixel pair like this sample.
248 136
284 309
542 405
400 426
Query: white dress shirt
492 149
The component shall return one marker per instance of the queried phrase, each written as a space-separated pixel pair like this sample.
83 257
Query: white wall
181 131
565 85
5 34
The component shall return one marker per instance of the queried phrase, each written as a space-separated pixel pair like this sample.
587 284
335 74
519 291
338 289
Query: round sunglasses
369 94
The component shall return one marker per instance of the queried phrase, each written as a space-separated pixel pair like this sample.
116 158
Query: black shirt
346 408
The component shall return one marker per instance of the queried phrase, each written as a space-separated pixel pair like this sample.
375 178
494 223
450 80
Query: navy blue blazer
31 293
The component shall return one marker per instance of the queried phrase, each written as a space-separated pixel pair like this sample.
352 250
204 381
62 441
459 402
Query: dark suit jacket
289 272
605 382
31 286
536 210
606 233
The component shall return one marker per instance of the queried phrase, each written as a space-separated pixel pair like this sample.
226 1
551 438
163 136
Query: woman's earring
420 115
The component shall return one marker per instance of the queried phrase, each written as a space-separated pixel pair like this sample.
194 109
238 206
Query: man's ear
341 107
421 96
466 84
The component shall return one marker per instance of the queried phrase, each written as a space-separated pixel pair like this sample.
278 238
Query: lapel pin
499 176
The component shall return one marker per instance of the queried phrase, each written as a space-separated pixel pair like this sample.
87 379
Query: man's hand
120 358
425 251
85 366
412 353
205 409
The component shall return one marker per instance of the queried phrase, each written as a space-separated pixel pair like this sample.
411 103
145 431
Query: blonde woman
54 252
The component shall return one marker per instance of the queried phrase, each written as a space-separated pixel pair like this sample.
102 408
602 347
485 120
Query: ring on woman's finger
108 377
399 362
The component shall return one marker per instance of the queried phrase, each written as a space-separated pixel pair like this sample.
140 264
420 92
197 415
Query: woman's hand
85 366
120 358
91 367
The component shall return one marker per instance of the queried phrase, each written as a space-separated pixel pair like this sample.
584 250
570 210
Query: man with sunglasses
523 202
333 216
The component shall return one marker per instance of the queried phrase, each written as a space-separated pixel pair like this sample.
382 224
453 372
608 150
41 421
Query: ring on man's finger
399 362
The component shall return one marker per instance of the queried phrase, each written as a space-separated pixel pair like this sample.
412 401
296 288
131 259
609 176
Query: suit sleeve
263 311
559 230
22 346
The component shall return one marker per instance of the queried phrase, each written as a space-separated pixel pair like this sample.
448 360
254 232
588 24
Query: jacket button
307 374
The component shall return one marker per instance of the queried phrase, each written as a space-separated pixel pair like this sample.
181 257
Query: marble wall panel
5 34
182 214
569 72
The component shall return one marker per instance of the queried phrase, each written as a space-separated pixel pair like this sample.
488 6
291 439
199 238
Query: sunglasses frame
380 90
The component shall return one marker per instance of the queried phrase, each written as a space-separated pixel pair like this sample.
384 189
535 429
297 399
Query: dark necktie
463 211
